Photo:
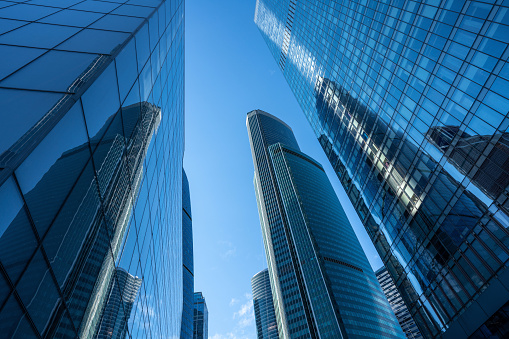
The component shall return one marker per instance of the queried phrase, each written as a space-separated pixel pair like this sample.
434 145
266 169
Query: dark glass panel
94 41
38 292
54 71
153 27
38 35
96 6
53 167
26 108
13 323
100 102
118 23
72 18
55 3
127 70
64 244
26 12
13 58
10 203
5 289
7 25
151 3
131 10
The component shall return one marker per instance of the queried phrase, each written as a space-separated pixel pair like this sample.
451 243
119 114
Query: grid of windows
200 317
186 331
266 326
409 100
90 165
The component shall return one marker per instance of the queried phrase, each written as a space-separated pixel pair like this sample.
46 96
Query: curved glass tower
321 280
186 330
409 100
266 325
91 148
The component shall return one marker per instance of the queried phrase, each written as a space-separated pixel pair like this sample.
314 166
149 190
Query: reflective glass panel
54 71
38 35
55 3
127 69
96 6
131 10
26 12
13 57
94 41
72 18
118 23
12 314
26 108
7 25
10 203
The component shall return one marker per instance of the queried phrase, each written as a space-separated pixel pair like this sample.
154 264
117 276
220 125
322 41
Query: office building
405 320
321 280
201 317
409 102
186 330
117 310
91 167
265 318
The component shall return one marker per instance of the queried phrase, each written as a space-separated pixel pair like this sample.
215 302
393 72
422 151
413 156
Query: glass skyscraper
91 151
398 305
321 280
409 100
266 325
186 330
201 317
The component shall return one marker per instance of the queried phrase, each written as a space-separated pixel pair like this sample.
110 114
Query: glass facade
201 317
91 167
186 330
117 310
322 282
398 305
409 100
266 325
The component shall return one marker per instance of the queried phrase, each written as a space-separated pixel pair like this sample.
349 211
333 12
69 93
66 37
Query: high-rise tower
322 283
409 100
186 331
91 148
201 317
266 325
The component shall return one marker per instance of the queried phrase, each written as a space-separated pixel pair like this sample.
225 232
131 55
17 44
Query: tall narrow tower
322 283
266 325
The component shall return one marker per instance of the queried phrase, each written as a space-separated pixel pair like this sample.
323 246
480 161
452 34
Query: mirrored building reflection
200 317
91 169
409 102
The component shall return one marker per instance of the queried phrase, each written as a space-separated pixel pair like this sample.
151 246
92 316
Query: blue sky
229 72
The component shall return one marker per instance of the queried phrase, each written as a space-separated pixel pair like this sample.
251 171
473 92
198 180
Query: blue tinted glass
153 30
127 69
38 292
55 3
54 71
38 35
131 10
72 18
96 6
66 138
499 32
12 314
151 3
10 203
101 101
94 41
142 46
7 25
26 12
13 57
26 108
145 82
5 4
118 23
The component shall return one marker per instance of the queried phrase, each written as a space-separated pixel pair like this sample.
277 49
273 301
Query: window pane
127 70
96 6
55 3
72 18
13 322
54 71
7 25
13 58
38 35
139 11
94 41
100 102
118 23
26 12
26 108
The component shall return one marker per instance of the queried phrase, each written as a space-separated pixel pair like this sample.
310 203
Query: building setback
409 100
398 305
201 317
186 331
321 280
266 325
91 168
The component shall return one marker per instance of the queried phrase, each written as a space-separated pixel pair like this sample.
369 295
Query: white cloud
234 301
228 250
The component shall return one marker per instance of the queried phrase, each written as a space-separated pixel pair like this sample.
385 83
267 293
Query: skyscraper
379 81
117 310
91 154
322 283
186 330
201 317
398 305
266 325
